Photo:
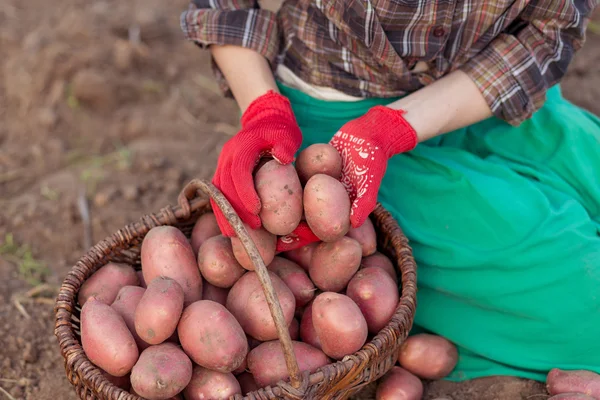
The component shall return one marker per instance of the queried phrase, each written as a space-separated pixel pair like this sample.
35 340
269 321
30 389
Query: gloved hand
269 127
300 237
366 144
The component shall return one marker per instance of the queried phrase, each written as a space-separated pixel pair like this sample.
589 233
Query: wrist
391 130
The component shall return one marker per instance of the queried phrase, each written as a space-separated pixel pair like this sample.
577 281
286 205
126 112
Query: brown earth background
105 102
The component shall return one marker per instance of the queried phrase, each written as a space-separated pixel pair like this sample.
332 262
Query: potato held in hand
280 193
159 309
265 242
428 356
217 262
207 384
376 294
326 207
339 324
212 337
399 384
106 340
267 363
248 304
318 158
161 372
167 252
105 283
334 264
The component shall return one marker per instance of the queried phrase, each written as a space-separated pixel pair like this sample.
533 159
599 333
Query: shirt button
439 31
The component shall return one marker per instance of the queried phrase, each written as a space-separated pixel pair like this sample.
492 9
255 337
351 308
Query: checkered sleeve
522 63
231 22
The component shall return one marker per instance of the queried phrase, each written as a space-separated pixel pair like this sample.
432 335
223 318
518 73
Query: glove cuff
269 105
391 130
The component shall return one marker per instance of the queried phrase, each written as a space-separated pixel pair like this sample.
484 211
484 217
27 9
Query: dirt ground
105 102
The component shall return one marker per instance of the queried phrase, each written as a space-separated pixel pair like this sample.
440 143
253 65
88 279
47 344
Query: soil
104 103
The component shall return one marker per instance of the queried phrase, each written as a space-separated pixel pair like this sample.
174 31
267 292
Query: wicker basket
333 381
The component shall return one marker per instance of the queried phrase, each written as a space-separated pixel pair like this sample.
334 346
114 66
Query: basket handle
189 192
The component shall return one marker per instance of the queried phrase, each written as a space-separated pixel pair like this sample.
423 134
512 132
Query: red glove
366 144
269 127
300 237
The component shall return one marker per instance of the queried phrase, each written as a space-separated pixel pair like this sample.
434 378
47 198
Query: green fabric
505 226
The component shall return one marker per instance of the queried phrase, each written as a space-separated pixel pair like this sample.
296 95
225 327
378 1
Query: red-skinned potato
399 384
205 227
379 260
365 235
318 158
428 356
326 207
159 309
339 324
212 337
581 381
267 363
176 397
265 242
167 252
334 264
217 263
207 384
125 304
301 256
247 302
252 343
307 328
294 329
280 194
162 371
572 396
295 278
241 369
211 292
376 294
105 283
106 340
247 383
140 276
122 382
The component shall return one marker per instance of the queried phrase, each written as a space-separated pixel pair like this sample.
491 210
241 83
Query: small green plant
30 270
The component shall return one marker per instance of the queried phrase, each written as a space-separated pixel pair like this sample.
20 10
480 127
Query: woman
449 114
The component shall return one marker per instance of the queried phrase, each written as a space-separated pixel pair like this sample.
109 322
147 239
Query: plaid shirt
514 50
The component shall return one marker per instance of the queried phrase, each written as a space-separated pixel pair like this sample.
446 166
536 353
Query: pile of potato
194 323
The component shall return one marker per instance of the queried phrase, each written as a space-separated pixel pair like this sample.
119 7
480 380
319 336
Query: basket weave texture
338 380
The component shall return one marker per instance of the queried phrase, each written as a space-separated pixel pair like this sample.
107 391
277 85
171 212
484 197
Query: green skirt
505 226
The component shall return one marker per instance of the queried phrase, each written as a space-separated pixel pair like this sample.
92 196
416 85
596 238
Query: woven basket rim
80 369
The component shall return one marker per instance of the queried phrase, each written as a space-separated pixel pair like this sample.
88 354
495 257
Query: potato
366 236
122 382
105 283
334 264
399 384
212 337
376 294
210 292
140 276
307 328
267 363
205 227
571 396
125 304
339 324
428 356
319 158
167 252
252 343
241 369
247 302
280 193
211 385
295 278
247 383
265 242
581 381
105 338
162 371
326 207
159 309
217 263
294 329
302 255
379 260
